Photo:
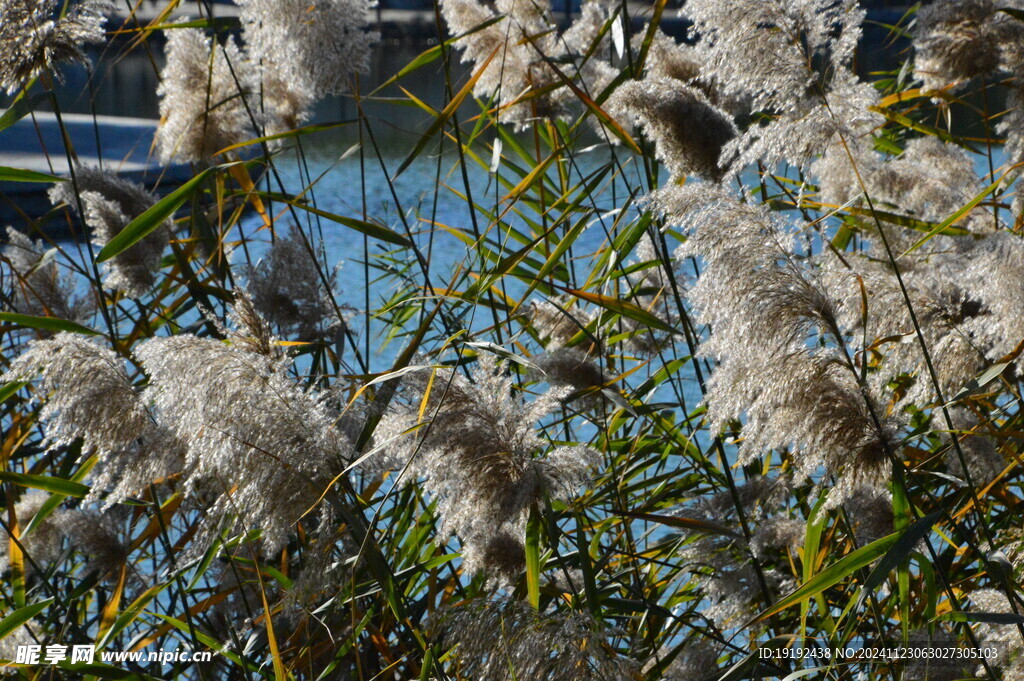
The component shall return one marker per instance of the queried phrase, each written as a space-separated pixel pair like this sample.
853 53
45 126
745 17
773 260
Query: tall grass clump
695 356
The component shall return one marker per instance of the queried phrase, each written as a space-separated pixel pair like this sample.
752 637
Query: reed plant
723 381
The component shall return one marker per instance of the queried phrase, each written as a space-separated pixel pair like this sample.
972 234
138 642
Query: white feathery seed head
88 394
41 289
314 46
246 426
1005 638
793 60
957 40
203 92
513 53
476 448
287 288
557 322
688 130
43 544
766 48
508 639
99 536
35 37
110 203
569 368
27 634
769 311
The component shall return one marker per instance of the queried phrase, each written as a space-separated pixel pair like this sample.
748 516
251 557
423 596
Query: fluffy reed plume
314 46
929 181
89 396
562 366
287 288
989 271
43 544
721 561
793 60
475 444
869 511
1011 126
590 49
35 38
204 97
110 203
697 661
984 462
40 288
958 40
508 53
667 58
968 309
724 575
776 334
569 368
100 537
556 322
96 535
506 640
945 314
516 54
27 634
1005 638
763 48
283 104
245 425
688 130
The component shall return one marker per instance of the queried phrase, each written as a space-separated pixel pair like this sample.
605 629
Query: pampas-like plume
40 288
957 40
90 396
1005 638
766 48
314 46
203 92
475 446
721 562
777 338
556 323
35 38
284 104
508 52
43 544
698 661
570 368
984 462
560 365
246 426
110 203
27 634
96 535
287 289
793 59
929 181
968 303
89 393
507 639
99 536
515 54
688 130
667 58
